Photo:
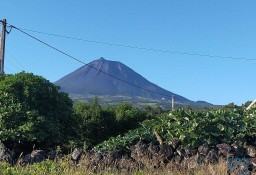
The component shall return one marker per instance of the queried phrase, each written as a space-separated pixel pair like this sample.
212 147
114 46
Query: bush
128 117
192 128
34 111
96 125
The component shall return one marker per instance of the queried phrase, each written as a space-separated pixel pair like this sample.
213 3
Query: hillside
89 80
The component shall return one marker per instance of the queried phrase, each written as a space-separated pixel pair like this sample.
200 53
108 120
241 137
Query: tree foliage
192 128
98 123
33 110
95 124
128 117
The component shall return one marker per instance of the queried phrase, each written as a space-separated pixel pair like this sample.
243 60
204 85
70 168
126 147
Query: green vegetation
192 129
66 167
97 124
34 111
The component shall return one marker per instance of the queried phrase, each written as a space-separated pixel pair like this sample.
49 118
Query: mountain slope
111 80
89 80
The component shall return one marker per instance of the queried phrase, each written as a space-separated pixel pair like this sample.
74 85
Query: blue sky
225 28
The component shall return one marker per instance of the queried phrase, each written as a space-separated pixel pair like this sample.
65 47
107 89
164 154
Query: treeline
35 113
97 123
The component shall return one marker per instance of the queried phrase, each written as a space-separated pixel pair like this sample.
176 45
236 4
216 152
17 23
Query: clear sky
225 28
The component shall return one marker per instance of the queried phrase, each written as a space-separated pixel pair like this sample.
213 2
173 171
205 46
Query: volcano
111 78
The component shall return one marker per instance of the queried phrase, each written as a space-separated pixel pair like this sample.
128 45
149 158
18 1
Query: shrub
34 111
95 124
192 128
98 124
128 117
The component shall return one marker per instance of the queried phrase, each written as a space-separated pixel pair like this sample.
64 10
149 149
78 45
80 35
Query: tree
2 77
96 125
34 111
153 110
128 117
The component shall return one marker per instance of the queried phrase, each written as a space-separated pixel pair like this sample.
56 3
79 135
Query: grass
67 167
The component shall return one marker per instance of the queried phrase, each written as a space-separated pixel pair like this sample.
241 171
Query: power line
11 56
98 69
142 48
7 68
8 60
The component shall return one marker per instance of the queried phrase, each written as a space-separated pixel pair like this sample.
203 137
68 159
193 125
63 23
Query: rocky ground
147 155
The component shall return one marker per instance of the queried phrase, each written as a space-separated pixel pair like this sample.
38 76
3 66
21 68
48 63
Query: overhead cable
78 60
142 48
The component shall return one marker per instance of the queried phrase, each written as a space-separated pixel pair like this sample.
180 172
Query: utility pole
2 48
172 102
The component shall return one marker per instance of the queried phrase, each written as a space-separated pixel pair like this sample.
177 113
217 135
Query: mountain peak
114 79
101 59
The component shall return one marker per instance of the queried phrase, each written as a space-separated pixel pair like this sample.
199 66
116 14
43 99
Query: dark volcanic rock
52 155
35 157
76 154
178 157
224 148
153 149
127 165
140 151
200 159
112 156
203 149
98 157
253 164
6 155
189 152
194 161
93 160
191 162
238 151
151 154
212 156
165 153
251 151
175 143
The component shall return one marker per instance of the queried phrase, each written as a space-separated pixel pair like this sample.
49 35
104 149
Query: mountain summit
104 77
110 78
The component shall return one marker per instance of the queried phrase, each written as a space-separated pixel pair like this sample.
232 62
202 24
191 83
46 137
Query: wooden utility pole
2 48
172 102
